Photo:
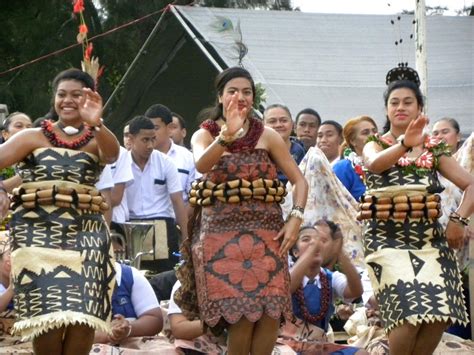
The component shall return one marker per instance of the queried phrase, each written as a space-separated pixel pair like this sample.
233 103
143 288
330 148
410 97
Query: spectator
329 140
278 117
307 125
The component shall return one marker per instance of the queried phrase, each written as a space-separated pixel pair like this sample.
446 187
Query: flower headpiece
89 64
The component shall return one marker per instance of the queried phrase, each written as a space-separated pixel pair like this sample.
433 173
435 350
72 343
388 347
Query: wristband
97 128
402 142
456 218
297 212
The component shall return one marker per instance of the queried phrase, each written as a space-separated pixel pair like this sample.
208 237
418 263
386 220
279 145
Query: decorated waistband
206 192
81 197
399 207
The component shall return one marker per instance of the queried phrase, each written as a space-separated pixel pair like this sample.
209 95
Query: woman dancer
61 252
240 242
413 271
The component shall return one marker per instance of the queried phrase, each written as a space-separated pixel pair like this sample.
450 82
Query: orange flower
83 28
78 6
246 263
88 51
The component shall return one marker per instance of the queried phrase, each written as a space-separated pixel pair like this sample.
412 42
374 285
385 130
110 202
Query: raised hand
235 118
91 107
414 134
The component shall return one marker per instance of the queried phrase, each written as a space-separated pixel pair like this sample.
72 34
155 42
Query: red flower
358 169
246 263
83 28
425 160
78 6
88 51
404 161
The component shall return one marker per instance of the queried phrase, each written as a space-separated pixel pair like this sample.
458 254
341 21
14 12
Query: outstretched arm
377 160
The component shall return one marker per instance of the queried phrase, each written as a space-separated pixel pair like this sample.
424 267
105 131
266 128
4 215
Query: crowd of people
260 236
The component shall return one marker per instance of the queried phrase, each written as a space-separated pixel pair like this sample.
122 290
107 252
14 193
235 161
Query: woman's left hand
289 232
91 108
455 235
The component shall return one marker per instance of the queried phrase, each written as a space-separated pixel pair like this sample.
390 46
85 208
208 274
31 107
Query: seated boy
315 288
135 308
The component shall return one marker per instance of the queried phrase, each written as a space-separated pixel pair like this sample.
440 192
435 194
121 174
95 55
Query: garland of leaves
7 173
428 160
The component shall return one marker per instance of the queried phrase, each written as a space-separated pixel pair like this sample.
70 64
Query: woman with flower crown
61 249
411 261
350 170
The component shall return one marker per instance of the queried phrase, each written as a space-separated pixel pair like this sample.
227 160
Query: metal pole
421 64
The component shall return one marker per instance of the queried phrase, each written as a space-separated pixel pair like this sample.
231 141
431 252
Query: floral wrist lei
356 161
433 148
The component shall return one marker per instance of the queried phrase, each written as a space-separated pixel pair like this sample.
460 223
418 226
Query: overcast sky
374 6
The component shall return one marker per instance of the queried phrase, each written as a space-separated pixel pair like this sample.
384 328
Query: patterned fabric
413 272
328 199
245 143
237 268
62 258
451 197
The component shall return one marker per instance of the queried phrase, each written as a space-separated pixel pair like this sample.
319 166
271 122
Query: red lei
54 139
247 142
325 297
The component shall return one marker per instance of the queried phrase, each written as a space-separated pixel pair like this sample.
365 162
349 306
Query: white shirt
339 284
173 308
149 194
105 180
143 297
184 161
122 174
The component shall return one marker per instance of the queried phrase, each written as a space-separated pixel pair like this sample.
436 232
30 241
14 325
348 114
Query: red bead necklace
247 142
325 297
54 139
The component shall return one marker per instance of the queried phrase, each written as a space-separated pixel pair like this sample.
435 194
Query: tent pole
135 60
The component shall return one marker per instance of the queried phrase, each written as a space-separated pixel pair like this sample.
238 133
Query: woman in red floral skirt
240 242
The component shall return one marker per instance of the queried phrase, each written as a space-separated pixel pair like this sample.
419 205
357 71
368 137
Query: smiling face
362 131
402 108
280 120
243 89
67 100
329 141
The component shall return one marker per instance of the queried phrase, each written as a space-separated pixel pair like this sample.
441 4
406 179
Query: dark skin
75 105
